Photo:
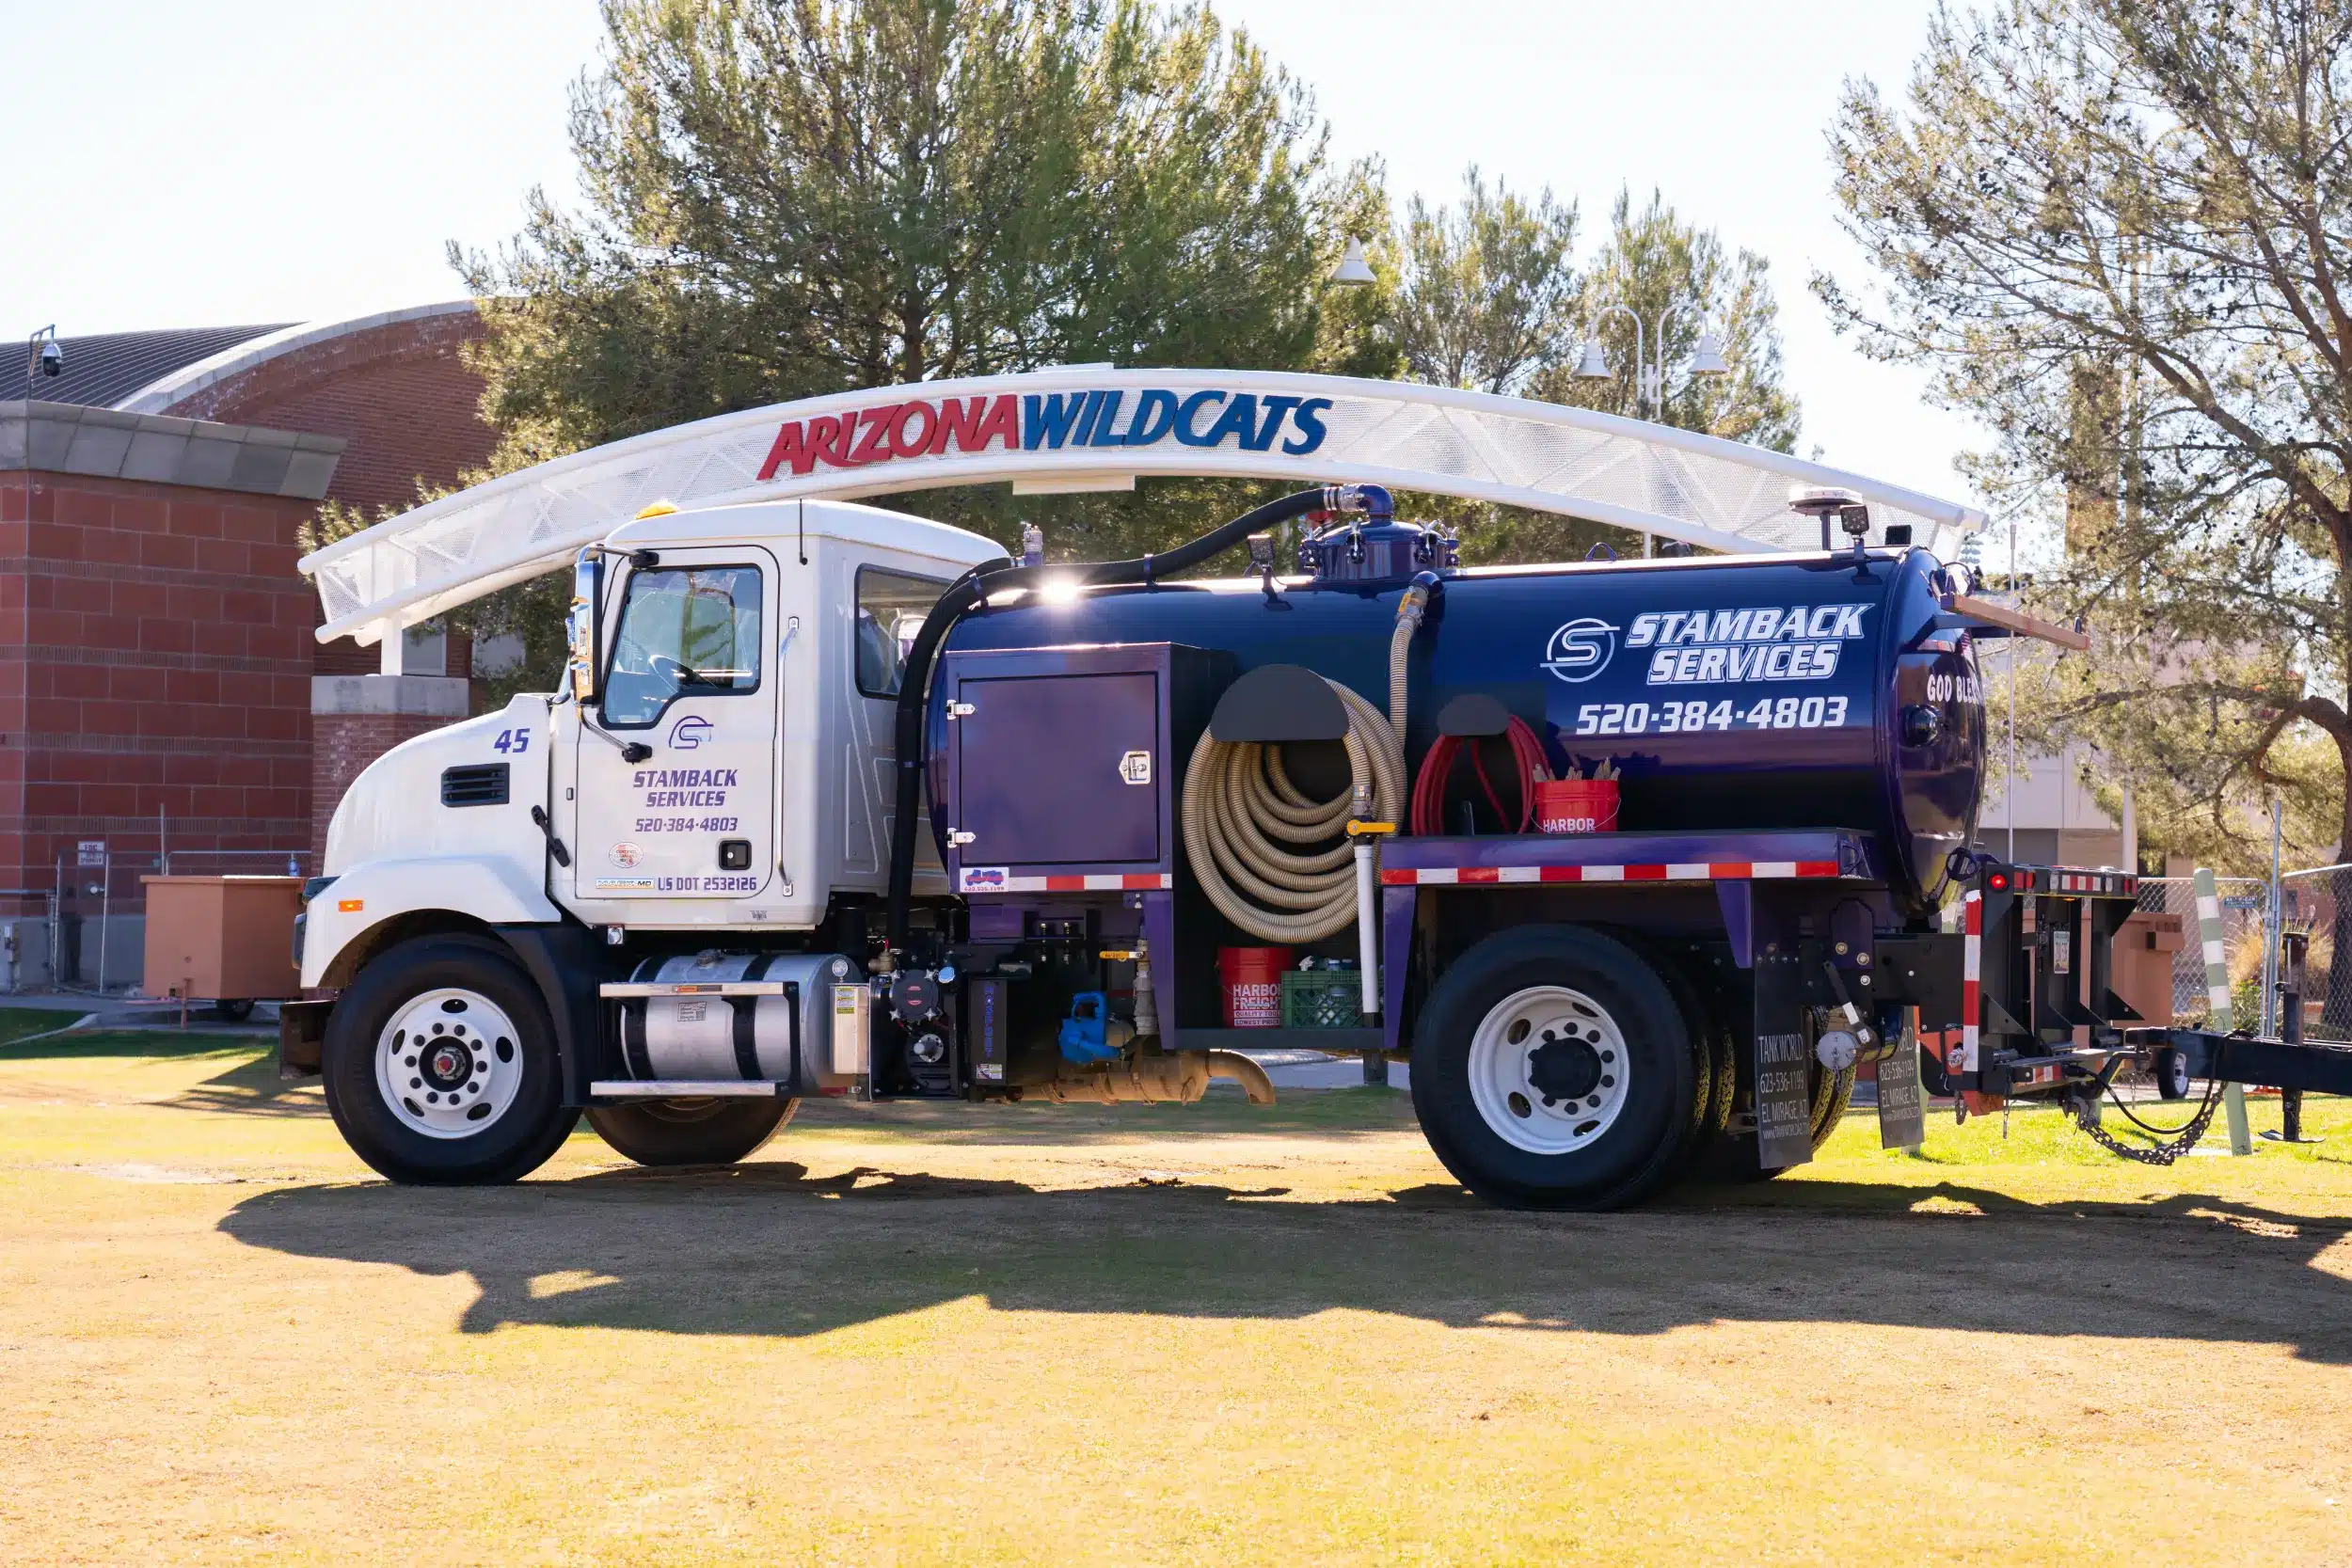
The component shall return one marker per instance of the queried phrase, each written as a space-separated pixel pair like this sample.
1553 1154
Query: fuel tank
1730 692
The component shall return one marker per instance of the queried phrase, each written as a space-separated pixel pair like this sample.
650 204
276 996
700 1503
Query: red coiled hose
1527 753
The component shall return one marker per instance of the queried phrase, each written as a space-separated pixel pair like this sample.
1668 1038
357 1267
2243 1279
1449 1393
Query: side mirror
580 623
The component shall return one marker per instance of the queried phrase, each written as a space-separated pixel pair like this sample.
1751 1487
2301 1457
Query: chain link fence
2319 901
94 933
2245 935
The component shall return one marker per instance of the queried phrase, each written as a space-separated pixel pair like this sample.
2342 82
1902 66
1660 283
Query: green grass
16 1022
1209 1336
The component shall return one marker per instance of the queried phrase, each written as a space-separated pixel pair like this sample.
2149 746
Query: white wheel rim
449 1063
1532 1047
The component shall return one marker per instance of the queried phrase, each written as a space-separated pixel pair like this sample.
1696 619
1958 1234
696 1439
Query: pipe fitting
1235 1068
1175 1078
1371 500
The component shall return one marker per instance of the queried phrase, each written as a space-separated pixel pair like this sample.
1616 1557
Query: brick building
160 687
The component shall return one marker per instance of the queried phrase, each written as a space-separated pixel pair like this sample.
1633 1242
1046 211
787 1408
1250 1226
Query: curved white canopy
1081 427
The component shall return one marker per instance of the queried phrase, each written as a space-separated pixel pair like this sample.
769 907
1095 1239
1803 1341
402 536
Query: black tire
528 1121
712 1131
1731 1155
235 1009
1710 1042
1653 1113
2170 1070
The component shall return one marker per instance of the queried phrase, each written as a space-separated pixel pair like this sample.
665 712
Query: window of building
684 631
890 610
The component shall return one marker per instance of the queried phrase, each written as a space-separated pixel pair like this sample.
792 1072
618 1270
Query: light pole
1649 370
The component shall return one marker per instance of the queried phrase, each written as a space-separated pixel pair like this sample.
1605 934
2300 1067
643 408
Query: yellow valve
1116 955
1368 830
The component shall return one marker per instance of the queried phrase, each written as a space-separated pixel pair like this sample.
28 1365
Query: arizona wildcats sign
1106 424
1049 421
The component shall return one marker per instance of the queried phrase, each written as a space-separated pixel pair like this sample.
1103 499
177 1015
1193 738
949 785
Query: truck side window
685 630
890 610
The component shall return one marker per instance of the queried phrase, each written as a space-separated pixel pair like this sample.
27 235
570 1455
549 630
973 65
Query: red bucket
1577 805
1252 978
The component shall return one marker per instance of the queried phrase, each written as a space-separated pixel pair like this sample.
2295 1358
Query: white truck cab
729 768
721 761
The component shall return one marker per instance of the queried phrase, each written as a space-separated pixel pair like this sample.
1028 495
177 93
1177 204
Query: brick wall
155 655
403 398
399 393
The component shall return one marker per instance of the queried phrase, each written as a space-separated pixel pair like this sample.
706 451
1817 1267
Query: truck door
686 677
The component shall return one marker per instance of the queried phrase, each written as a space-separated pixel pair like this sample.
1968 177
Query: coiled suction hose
996 576
1247 825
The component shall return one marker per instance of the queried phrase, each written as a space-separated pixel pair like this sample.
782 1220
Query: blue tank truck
1799 745
1126 772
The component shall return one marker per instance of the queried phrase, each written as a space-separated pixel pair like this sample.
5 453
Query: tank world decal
1799 642
1050 421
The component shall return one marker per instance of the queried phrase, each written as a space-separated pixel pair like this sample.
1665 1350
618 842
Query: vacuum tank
1743 693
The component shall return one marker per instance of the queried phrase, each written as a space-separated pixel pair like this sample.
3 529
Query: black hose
997 576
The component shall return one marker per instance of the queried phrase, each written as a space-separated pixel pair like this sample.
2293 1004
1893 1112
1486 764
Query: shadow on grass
765 1248
246 1085
150 1044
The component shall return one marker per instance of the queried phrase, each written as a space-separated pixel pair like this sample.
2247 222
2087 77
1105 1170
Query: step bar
631 990
680 1088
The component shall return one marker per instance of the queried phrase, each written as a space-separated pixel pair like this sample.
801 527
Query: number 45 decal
515 742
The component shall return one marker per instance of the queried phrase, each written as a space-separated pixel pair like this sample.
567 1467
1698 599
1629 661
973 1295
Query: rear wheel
235 1009
705 1132
440 1065
1552 1068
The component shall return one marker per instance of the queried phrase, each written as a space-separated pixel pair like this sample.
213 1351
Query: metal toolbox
1063 764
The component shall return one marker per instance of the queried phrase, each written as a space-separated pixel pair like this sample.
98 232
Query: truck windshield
693 629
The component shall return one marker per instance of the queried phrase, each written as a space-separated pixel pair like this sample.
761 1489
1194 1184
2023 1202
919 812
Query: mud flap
301 1036
1784 1100
1902 1105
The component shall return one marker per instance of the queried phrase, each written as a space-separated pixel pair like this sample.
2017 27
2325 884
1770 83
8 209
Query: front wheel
441 1066
1552 1068
705 1132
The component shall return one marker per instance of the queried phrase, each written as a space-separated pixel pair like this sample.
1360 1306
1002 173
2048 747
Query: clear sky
177 165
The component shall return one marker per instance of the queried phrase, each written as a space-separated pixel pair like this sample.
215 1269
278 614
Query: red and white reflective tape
1971 969
1694 871
995 879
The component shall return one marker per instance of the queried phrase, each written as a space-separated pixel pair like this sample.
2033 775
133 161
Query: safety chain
2085 1110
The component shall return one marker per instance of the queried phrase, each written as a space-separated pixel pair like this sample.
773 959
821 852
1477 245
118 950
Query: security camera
52 359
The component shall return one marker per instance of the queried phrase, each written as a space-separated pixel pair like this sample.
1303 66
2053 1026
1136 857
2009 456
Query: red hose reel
1429 784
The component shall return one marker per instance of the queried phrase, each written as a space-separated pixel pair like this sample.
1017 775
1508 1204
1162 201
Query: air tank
1730 692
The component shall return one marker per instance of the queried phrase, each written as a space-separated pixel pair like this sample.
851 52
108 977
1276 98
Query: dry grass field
1204 1336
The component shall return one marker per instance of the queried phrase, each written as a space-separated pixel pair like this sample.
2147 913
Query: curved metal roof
1721 494
166 389
105 370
